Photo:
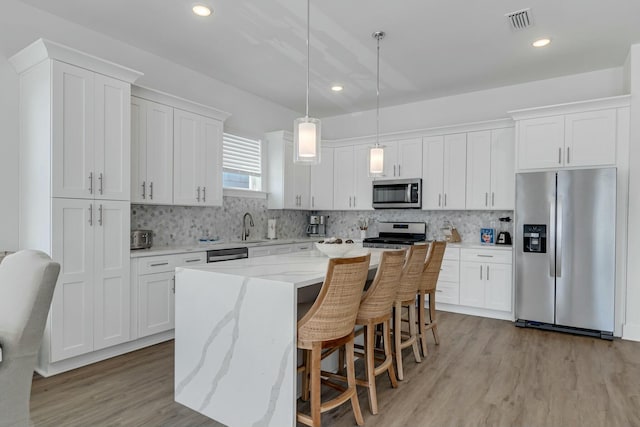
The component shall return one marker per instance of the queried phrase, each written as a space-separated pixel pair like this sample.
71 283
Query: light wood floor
485 373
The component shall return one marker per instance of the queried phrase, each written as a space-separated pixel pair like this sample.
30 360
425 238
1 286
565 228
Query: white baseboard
106 353
631 332
473 311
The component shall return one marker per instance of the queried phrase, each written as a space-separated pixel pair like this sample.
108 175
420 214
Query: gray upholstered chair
27 281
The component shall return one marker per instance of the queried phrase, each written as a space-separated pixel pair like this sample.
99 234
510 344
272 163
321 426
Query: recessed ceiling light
201 10
541 42
337 88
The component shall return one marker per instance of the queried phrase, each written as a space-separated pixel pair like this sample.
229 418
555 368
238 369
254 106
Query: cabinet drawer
190 259
451 253
280 249
486 255
448 293
159 264
449 271
300 247
258 252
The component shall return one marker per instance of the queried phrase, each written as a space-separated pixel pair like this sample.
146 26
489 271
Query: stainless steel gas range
397 235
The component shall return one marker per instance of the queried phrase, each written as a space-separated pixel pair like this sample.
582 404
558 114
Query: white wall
21 24
477 106
631 328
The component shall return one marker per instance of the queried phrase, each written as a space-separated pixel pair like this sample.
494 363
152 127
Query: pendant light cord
378 36
308 25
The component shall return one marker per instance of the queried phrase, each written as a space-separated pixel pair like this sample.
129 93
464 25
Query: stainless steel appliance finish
397 194
141 239
565 250
317 226
217 255
397 235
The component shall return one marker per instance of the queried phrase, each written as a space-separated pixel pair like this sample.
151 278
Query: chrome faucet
245 229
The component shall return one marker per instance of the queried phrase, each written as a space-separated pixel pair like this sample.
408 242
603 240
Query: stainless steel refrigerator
565 250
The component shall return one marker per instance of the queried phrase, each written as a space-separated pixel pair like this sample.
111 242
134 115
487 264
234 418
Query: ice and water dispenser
535 238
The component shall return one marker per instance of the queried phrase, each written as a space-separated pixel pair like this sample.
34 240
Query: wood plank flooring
484 373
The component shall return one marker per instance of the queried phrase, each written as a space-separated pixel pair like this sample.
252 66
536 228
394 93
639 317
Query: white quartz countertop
168 250
469 245
300 269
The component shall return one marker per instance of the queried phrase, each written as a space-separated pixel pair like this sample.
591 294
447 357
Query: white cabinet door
151 152
590 138
540 143
321 182
455 168
472 284
409 158
503 178
72 132
72 306
498 287
212 162
155 303
363 195
112 280
187 158
390 160
432 172
112 136
300 184
258 252
289 196
344 178
478 170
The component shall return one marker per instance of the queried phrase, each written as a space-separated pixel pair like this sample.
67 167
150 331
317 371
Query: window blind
241 155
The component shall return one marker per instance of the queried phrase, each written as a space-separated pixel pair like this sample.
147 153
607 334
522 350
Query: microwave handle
409 193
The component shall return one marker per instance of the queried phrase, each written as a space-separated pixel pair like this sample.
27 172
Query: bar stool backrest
378 299
412 273
432 266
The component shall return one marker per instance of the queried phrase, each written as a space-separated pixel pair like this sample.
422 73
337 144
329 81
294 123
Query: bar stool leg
386 328
413 331
397 338
351 381
316 353
432 316
421 323
370 333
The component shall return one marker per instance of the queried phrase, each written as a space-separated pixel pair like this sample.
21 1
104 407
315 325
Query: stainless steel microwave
397 194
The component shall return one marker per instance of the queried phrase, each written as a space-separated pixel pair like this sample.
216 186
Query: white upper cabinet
288 182
197 160
363 195
490 169
91 137
575 135
403 159
151 152
321 181
444 172
344 182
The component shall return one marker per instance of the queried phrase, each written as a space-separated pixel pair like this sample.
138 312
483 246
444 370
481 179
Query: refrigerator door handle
559 240
552 238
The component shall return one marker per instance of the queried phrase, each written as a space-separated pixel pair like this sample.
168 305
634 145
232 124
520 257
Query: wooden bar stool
329 323
428 284
406 297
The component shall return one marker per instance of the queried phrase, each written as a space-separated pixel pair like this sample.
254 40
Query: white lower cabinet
486 279
259 251
154 288
90 308
448 288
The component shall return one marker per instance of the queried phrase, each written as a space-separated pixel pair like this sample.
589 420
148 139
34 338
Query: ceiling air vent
520 19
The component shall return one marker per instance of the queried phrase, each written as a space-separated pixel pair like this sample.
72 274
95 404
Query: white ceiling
433 48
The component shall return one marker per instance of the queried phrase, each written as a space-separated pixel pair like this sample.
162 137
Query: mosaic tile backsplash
468 223
184 225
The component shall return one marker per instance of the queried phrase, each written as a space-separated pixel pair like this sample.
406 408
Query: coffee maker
316 226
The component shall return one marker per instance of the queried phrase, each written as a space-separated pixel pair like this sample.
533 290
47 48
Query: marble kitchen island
235 335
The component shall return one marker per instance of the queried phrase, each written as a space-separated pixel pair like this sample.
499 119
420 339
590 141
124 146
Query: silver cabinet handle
493 198
486 199
398 170
445 200
394 170
151 190
204 194
101 179
91 215
354 201
173 287
480 271
90 182
100 215
198 198
439 199
488 272
349 201
485 256
568 158
144 190
559 155
158 264
193 260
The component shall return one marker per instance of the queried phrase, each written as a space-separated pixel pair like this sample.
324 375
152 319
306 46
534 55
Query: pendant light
376 153
306 133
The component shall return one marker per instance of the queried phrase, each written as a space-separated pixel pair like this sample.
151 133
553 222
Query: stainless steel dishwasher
217 255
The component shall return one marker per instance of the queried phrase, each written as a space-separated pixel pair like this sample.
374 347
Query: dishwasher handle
227 254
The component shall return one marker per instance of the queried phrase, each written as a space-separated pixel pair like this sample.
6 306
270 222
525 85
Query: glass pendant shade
376 161
306 140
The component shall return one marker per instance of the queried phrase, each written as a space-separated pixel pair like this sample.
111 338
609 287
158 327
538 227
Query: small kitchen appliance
397 194
317 226
504 237
141 239
397 235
